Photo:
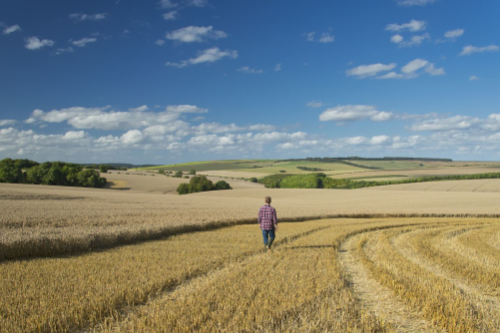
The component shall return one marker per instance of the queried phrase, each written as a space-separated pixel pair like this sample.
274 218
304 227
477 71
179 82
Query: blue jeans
268 237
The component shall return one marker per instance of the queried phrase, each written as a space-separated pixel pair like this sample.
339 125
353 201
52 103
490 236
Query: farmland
136 257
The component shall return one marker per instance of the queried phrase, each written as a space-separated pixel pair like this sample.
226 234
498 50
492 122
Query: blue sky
181 80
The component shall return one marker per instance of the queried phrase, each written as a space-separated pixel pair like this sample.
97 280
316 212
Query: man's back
267 217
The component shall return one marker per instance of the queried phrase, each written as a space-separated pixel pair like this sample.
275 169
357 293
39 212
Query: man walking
268 222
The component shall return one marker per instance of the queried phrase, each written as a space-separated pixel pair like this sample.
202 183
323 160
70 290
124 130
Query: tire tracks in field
192 282
374 296
476 294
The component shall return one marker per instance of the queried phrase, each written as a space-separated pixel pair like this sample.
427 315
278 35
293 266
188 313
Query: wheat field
369 260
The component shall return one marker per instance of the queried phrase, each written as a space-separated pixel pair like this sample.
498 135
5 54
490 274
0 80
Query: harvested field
472 185
39 221
338 275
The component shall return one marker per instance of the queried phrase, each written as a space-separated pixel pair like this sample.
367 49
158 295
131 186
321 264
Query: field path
375 297
403 245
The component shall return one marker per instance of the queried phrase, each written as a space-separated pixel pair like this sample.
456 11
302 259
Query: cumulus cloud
87 17
454 33
249 70
397 39
7 122
278 67
195 34
411 26
414 65
83 42
411 70
446 124
473 78
34 43
11 29
468 50
172 15
324 38
343 113
105 119
160 42
209 55
364 71
314 104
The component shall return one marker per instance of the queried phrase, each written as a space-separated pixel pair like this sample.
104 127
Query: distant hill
124 165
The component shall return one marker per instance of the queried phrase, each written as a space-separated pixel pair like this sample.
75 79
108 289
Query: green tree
104 168
178 174
222 185
183 188
9 172
192 172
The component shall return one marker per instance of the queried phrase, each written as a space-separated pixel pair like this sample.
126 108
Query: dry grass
59 294
223 281
37 221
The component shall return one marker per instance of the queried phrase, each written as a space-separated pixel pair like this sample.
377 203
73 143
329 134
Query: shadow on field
311 247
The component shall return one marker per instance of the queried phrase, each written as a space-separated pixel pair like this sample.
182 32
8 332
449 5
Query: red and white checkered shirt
267 218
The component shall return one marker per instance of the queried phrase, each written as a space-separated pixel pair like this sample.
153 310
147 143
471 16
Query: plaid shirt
267 218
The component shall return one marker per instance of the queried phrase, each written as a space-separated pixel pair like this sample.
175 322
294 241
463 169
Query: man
268 222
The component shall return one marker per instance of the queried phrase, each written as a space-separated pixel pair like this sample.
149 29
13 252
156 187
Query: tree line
49 173
321 180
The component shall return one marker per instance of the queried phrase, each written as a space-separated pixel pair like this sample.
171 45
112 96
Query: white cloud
324 38
397 39
369 70
473 78
59 51
262 128
446 124
7 122
172 15
417 40
452 34
467 50
160 42
412 26
434 71
209 55
379 140
357 140
87 17
195 34
391 75
83 42
74 135
414 65
249 70
354 113
414 2
34 43
314 104
132 137
278 67
11 29
101 118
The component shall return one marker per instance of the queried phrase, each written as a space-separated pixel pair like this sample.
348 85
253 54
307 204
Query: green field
261 167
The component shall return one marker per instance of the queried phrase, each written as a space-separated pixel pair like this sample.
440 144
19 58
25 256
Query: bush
178 174
254 180
303 181
183 188
222 185
104 168
192 172
201 184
